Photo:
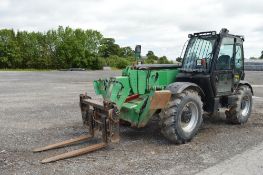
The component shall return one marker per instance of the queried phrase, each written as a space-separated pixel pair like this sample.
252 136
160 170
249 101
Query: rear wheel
241 110
182 117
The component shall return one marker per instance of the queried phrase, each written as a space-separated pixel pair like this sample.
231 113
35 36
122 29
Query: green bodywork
134 81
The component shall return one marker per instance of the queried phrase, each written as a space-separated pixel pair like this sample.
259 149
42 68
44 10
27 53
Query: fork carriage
99 117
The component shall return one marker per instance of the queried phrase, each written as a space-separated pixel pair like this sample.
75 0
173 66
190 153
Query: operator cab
204 48
214 61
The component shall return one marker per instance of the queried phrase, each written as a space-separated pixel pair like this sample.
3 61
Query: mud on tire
241 110
177 124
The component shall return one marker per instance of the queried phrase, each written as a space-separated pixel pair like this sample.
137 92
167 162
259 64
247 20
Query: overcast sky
158 25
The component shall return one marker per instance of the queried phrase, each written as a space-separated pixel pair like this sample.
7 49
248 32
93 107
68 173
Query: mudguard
243 82
179 87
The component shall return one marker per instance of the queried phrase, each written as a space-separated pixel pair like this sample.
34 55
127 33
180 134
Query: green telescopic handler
210 77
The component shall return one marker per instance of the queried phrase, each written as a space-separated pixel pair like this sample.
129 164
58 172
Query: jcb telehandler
210 77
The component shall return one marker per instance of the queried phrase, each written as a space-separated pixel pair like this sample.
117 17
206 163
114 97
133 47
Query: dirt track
37 108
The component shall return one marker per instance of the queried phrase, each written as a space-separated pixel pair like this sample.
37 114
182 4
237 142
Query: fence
254 65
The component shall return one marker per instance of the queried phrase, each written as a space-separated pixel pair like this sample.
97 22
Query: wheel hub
245 105
186 115
189 117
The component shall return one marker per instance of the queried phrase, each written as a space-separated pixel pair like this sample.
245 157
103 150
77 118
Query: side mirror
138 51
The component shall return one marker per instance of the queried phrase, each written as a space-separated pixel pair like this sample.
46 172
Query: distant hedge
64 48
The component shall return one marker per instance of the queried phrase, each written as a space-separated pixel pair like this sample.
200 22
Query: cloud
159 25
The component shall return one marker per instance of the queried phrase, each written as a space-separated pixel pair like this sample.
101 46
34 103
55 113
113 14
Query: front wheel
241 110
182 117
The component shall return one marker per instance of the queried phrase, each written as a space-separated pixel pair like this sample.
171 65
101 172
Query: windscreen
199 53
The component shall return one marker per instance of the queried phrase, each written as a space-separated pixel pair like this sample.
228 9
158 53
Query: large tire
241 110
178 124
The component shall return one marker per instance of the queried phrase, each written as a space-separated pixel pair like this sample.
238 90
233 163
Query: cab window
239 57
225 54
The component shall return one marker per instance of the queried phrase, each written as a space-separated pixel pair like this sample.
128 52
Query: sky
158 25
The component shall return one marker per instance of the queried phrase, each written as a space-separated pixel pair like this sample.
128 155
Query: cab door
223 74
239 62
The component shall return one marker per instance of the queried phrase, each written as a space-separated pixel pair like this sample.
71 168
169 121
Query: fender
243 82
179 87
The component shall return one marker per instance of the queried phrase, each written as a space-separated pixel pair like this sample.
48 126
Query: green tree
108 48
151 58
126 52
151 55
64 48
179 59
118 62
77 48
51 39
10 53
164 60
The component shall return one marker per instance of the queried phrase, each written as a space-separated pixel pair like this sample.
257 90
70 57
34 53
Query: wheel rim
245 105
189 117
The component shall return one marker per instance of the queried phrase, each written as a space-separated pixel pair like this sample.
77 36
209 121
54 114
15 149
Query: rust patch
160 99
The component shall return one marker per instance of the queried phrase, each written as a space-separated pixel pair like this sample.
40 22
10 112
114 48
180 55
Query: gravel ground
38 108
